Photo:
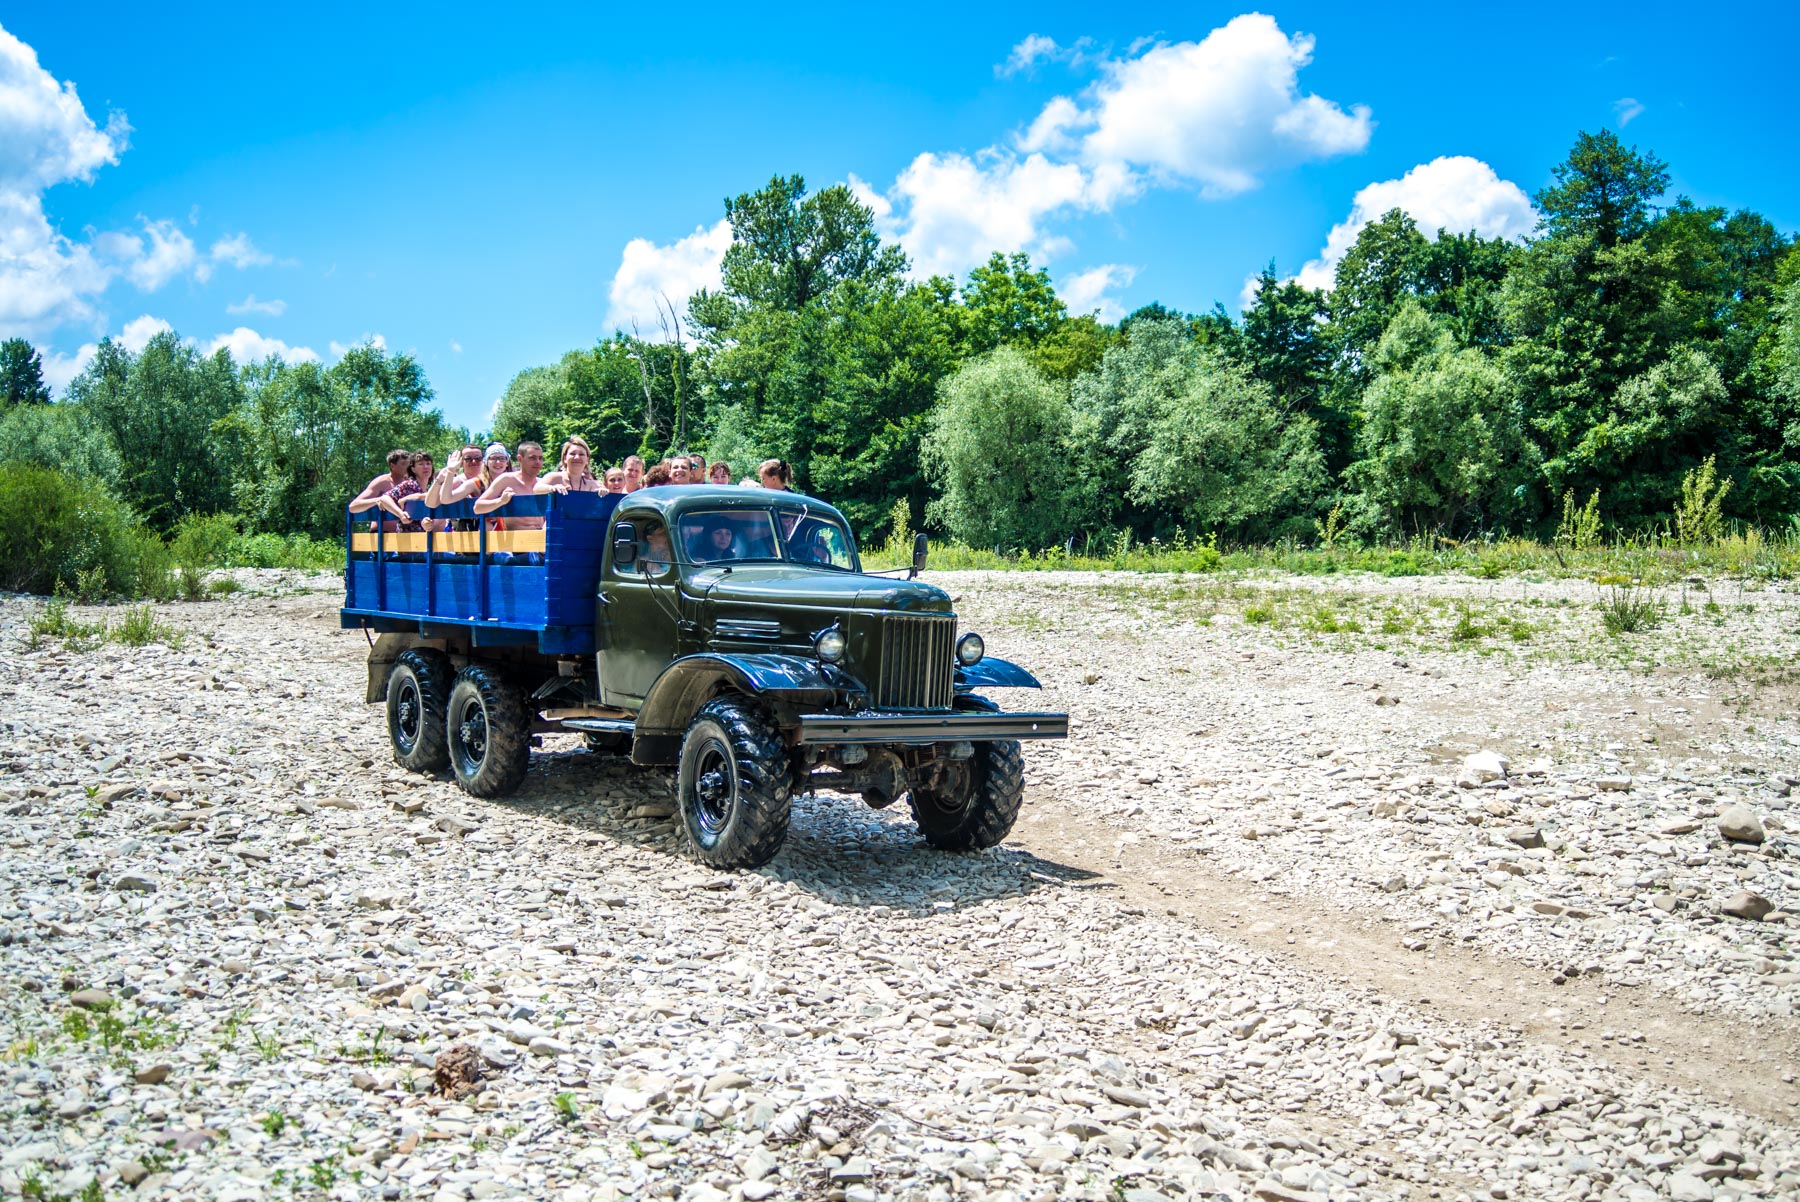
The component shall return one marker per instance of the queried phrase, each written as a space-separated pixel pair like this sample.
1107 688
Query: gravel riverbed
1315 903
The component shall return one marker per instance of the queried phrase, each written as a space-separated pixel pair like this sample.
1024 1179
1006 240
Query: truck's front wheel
416 697
489 730
733 786
974 802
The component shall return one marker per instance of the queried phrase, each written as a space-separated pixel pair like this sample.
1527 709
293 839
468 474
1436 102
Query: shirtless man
398 462
634 473
523 482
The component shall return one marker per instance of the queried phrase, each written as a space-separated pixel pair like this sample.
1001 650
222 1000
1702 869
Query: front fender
686 683
995 674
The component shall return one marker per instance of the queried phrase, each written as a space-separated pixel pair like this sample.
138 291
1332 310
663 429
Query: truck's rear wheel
417 694
733 786
975 801
489 730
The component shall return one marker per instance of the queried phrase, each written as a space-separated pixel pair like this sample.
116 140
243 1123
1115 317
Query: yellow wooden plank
449 542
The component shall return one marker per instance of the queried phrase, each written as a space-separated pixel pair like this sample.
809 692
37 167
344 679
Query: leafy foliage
996 450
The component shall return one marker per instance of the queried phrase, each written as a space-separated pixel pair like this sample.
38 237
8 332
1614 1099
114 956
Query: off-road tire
979 800
733 787
418 693
489 729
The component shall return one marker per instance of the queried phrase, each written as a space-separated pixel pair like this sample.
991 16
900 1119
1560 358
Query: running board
600 726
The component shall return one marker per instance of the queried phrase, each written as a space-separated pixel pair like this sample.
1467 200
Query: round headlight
830 645
970 649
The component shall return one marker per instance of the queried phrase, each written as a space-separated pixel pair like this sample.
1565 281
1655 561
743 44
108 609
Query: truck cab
734 634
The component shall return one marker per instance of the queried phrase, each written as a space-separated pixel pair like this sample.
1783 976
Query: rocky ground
1344 888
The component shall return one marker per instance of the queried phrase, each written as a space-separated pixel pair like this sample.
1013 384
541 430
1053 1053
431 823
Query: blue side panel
497 600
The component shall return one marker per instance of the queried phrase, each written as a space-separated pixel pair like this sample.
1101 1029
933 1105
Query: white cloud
1036 48
950 212
140 330
1627 110
1455 193
238 251
247 346
1217 113
1087 291
455 347
273 308
46 138
1214 115
340 349
170 253
647 273
60 369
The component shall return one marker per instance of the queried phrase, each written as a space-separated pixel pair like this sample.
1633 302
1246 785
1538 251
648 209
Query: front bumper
975 726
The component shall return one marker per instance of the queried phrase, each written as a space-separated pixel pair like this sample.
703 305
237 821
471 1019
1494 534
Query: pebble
866 1017
1740 824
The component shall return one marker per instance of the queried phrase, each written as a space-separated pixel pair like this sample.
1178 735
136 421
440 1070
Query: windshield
728 535
818 539
716 536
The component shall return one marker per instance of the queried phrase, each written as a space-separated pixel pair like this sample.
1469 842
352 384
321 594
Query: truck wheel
489 731
417 693
976 800
733 786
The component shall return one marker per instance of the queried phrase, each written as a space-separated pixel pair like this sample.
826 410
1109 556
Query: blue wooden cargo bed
534 588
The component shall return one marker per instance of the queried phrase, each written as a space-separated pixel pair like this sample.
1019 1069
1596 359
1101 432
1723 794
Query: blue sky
468 190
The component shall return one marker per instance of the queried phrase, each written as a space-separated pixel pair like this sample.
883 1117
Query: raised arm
498 493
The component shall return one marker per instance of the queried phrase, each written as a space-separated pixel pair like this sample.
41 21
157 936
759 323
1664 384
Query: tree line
1447 383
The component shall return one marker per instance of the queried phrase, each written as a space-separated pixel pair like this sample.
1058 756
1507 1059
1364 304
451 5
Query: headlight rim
831 637
970 639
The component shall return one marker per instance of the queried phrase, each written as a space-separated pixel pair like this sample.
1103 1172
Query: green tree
21 375
1441 445
997 450
533 402
1007 303
60 438
1282 341
1604 191
1116 409
789 248
158 408
1224 455
311 437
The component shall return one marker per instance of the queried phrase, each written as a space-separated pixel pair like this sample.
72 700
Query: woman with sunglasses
459 480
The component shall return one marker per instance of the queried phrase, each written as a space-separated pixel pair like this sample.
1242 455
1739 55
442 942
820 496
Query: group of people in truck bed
493 477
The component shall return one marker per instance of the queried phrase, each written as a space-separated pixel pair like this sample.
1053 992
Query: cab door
640 604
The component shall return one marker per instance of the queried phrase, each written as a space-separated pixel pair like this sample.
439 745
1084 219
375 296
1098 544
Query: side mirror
918 563
624 552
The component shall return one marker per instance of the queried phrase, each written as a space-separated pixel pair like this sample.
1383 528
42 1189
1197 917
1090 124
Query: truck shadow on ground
838 849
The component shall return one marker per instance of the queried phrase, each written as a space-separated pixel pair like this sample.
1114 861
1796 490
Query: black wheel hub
714 787
407 713
472 732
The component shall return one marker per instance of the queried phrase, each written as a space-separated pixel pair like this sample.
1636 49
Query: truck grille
916 662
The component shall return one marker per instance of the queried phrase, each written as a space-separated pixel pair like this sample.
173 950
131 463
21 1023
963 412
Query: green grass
136 627
1749 555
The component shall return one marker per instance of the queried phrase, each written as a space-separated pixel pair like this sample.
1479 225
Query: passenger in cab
634 473
572 473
